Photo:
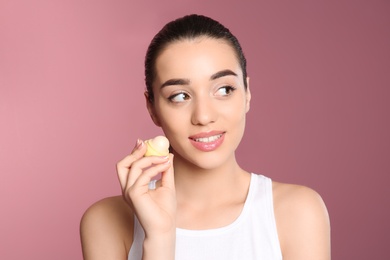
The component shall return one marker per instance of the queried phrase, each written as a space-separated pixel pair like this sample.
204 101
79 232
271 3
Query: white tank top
252 235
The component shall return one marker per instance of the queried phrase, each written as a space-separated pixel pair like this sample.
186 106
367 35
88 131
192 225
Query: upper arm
106 230
302 222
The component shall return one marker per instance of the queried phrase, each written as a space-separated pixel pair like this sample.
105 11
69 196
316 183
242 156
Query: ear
248 95
151 109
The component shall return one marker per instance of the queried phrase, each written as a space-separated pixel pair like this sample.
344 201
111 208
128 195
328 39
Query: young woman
205 206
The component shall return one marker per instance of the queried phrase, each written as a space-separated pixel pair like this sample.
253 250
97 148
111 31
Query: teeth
208 139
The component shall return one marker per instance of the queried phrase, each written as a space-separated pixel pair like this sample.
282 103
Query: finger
141 184
137 153
123 166
142 164
167 177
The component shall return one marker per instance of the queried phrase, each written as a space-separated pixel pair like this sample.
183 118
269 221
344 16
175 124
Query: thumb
167 177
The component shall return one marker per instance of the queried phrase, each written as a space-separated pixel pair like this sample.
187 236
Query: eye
179 97
225 91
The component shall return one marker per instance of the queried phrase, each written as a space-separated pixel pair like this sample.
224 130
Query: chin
211 161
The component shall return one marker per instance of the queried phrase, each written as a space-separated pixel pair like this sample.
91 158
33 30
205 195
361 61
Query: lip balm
158 146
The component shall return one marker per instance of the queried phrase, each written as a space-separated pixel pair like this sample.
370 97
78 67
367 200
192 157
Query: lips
208 141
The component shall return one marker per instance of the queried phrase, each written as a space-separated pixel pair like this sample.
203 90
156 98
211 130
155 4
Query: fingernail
164 158
139 143
167 162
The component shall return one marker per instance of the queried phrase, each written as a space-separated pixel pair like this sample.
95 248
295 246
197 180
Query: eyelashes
178 97
183 96
226 90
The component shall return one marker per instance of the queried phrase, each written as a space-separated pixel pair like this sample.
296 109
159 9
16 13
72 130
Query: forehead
196 57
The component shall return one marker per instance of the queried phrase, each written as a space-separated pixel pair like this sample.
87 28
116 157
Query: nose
203 112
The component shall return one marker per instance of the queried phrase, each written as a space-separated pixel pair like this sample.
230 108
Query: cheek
171 120
234 113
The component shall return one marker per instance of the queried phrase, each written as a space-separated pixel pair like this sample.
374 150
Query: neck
208 187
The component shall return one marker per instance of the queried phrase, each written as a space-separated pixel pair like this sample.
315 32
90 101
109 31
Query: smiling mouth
207 139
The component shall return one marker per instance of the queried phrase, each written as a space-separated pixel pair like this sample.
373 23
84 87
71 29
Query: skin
189 86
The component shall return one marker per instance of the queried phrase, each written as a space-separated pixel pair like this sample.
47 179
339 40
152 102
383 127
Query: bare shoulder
106 229
293 197
302 221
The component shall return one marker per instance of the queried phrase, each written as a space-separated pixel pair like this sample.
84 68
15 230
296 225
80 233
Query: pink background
71 106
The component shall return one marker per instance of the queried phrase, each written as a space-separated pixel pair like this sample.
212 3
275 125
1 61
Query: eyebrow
219 74
222 73
172 82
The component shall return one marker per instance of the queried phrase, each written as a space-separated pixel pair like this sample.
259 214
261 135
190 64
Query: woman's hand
154 208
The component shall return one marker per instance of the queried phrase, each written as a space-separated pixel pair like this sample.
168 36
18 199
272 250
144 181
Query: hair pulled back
188 27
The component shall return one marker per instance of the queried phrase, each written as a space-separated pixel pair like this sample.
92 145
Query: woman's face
200 100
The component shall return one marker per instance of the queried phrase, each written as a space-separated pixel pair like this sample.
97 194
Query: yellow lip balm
158 146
